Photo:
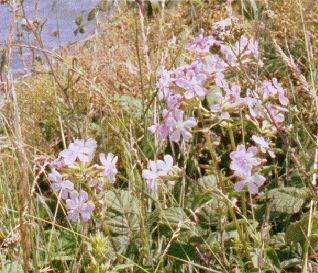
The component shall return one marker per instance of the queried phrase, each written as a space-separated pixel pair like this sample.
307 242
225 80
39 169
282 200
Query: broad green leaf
175 217
183 251
297 232
288 200
123 212
208 206
208 182
171 219
63 245
294 233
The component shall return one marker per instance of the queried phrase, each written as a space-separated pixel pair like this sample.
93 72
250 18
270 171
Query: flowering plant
195 178
262 102
74 164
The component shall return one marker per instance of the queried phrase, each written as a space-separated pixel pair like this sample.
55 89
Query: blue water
59 17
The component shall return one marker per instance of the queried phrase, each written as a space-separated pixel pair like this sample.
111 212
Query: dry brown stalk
17 140
289 62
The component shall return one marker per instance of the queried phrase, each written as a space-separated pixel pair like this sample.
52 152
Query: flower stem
232 139
222 185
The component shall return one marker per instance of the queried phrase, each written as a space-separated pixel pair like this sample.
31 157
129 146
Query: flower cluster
74 164
187 85
159 170
227 99
184 90
174 125
243 162
267 106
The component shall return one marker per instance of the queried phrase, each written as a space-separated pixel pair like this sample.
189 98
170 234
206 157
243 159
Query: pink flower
60 185
225 115
190 78
152 174
109 166
233 96
163 130
165 82
166 164
245 49
78 206
244 160
231 101
58 163
274 89
174 101
281 93
274 113
95 182
79 149
157 170
213 64
263 145
229 55
255 108
220 81
202 44
179 126
253 182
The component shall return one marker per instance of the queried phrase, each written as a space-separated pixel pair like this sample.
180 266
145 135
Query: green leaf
169 220
294 233
208 182
272 258
209 206
132 106
79 19
297 232
183 251
123 212
63 245
91 15
175 217
288 200
210 96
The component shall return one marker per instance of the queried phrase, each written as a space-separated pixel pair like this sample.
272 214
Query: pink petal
191 122
252 188
146 174
169 160
175 136
238 186
70 204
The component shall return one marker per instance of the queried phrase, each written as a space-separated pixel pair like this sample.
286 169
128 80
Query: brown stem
17 140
